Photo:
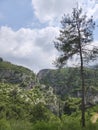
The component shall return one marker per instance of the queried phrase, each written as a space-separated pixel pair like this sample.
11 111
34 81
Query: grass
42 125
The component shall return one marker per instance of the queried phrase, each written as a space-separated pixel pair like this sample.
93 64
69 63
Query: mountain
14 74
53 96
66 82
20 83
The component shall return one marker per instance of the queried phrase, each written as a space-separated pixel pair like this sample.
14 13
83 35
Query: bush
4 125
20 125
41 125
39 113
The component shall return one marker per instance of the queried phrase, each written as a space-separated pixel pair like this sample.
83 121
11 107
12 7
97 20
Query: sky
29 27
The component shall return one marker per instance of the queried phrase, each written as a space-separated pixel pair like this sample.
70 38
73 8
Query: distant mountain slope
10 73
67 82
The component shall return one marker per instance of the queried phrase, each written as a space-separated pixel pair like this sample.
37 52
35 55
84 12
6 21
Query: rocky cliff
67 82
10 73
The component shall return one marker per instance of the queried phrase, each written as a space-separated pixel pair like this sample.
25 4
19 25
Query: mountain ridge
65 82
11 73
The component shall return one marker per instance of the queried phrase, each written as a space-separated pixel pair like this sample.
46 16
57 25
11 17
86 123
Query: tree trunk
83 88
82 79
83 91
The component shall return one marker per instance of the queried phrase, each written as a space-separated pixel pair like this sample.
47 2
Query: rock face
43 73
67 82
10 73
62 81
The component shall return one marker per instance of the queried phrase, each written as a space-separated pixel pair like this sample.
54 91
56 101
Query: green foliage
75 35
26 110
40 113
9 66
46 126
33 109
4 125
72 105
67 123
33 104
66 81
20 125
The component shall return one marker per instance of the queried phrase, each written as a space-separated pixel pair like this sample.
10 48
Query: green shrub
20 125
41 125
4 125
39 113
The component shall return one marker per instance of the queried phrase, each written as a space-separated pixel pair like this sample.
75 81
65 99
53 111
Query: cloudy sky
28 28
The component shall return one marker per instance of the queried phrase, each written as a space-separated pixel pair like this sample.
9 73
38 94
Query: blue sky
28 28
16 13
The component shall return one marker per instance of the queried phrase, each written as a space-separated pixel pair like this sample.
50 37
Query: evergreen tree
76 36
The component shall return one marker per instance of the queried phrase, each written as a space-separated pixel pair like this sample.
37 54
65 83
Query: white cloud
48 10
51 11
34 47
91 8
31 48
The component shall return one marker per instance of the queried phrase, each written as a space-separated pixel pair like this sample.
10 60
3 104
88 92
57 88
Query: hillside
13 96
22 82
52 103
14 74
66 82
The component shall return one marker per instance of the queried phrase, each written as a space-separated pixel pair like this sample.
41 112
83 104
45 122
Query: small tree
76 35
1 59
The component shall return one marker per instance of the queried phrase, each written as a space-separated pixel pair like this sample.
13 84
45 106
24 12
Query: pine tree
76 36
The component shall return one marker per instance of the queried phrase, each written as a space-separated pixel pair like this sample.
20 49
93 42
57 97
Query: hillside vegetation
67 82
10 73
53 103
33 109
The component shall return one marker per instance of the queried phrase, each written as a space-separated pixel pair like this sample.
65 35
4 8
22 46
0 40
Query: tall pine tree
76 36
